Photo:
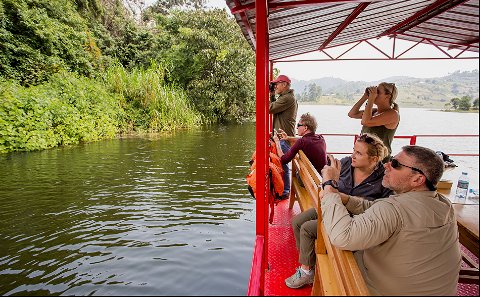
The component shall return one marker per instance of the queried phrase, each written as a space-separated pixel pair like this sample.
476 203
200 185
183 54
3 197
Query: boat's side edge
254 284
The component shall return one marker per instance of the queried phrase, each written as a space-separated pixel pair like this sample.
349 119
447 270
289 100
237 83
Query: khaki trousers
305 231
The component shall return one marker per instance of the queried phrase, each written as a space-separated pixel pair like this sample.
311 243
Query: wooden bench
336 271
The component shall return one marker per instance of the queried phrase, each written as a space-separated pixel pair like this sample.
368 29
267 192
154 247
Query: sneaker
299 279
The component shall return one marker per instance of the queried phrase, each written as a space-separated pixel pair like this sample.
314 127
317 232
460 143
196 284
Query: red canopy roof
299 27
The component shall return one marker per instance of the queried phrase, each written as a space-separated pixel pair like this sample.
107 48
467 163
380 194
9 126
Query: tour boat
281 30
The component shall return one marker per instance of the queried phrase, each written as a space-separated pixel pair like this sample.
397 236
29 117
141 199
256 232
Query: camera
271 86
277 133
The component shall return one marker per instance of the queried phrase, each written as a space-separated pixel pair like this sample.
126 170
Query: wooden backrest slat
309 175
313 172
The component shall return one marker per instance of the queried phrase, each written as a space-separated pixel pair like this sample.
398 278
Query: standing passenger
383 120
284 110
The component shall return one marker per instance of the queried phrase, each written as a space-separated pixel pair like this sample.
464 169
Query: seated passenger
361 175
406 244
313 145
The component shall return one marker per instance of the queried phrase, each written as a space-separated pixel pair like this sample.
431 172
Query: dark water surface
168 215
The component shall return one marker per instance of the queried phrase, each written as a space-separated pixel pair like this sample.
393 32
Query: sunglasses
300 125
396 165
367 139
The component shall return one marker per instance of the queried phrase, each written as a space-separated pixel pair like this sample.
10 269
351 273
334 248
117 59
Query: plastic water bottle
462 187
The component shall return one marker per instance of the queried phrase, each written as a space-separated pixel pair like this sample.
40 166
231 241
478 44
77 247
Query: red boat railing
413 141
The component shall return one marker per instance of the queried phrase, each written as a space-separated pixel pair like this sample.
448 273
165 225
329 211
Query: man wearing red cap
284 110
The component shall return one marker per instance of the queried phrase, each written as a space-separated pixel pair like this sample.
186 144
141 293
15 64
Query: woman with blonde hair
361 175
382 120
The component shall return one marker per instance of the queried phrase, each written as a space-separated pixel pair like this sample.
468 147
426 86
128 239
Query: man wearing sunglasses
283 107
406 244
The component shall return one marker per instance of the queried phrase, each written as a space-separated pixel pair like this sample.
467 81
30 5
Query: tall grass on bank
70 109
66 110
149 103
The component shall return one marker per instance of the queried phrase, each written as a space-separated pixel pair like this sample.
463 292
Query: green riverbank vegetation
464 104
85 70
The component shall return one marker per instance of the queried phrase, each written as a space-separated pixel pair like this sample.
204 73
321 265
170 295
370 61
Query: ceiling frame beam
361 7
422 16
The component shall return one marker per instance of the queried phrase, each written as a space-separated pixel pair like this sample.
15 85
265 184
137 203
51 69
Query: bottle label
462 184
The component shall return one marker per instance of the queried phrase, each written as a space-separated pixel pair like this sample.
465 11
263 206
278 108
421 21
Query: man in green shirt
284 107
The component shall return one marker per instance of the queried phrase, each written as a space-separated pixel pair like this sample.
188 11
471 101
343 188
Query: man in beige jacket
406 244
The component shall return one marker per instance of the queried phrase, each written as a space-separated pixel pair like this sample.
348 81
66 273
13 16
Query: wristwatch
330 182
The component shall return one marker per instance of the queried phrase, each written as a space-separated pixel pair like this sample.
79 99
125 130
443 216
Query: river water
160 215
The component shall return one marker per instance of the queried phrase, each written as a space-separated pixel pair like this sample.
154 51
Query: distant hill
412 92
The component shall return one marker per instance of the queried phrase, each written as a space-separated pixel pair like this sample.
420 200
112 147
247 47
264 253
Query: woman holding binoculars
382 120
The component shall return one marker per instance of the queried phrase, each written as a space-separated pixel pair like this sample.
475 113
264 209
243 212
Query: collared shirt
407 244
371 188
314 147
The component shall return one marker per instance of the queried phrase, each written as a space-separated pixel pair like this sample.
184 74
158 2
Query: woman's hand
332 171
372 93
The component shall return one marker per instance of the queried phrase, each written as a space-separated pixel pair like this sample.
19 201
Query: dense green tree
475 104
455 102
184 67
165 6
206 54
464 103
311 93
40 38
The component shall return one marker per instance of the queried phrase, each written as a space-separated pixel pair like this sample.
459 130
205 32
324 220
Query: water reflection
168 215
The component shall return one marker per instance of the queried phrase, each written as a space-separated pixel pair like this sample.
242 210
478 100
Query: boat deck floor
283 256
282 253
468 289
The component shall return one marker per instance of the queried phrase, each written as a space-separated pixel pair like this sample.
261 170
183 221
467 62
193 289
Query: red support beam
261 131
361 7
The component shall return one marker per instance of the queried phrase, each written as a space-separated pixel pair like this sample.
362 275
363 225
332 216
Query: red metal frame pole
270 78
262 65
